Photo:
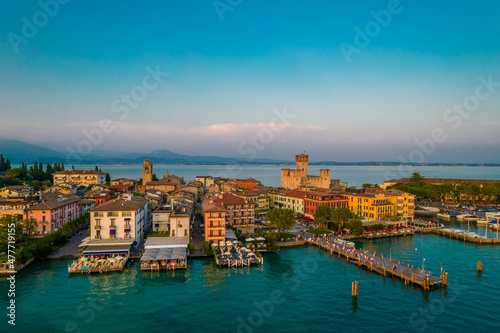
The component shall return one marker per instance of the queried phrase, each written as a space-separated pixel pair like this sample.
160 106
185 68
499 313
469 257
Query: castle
295 179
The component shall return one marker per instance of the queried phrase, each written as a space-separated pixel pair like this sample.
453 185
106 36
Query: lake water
270 175
296 290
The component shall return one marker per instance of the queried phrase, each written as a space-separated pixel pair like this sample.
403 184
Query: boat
426 210
495 225
467 217
448 215
483 221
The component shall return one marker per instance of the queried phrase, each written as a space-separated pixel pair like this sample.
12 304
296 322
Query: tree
2 163
322 215
13 173
96 168
416 177
7 164
341 215
356 226
62 167
108 178
368 185
281 218
30 227
154 177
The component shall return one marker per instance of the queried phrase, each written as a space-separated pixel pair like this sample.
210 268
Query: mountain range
19 151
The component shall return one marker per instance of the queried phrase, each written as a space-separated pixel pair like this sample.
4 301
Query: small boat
426 210
448 215
494 225
466 217
483 221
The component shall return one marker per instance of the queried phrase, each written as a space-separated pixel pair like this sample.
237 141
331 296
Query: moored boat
467 217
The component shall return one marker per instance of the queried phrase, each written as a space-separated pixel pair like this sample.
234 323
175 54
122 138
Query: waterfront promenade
382 265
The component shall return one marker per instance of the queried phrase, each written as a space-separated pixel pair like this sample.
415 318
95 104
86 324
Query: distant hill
18 151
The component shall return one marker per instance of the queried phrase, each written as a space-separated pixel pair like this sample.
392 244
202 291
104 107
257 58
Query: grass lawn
286 235
318 232
159 234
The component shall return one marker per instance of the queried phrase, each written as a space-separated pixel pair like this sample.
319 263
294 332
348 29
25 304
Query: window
98 214
173 232
112 213
185 232
126 214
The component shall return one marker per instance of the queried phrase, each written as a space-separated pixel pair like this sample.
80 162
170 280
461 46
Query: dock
383 265
98 264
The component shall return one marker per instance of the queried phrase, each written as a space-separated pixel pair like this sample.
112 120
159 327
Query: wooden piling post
479 267
354 289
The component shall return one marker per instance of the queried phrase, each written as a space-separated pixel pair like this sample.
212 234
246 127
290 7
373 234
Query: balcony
112 227
97 227
127 229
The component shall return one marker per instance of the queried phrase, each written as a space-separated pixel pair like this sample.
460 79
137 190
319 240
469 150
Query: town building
313 200
54 213
403 202
240 212
370 206
16 191
214 215
79 177
207 181
127 183
293 200
295 179
441 181
160 185
125 218
161 219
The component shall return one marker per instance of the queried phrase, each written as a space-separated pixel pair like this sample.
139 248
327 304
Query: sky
344 80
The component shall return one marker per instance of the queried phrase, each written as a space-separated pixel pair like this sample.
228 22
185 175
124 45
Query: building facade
240 212
79 177
54 213
370 206
124 218
313 200
214 215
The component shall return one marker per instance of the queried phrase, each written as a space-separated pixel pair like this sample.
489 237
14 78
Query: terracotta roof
159 182
230 199
79 172
121 204
297 194
53 204
203 177
17 187
210 206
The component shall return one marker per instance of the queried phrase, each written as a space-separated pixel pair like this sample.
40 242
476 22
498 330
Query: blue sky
227 76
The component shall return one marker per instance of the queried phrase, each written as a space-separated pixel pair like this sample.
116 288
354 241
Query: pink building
52 214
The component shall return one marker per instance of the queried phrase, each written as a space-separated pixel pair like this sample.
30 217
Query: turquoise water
270 175
298 289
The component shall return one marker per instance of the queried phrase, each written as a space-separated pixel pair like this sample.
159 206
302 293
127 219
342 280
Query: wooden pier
383 265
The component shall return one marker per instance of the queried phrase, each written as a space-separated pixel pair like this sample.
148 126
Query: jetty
98 264
232 255
385 266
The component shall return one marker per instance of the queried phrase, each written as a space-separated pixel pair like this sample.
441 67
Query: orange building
240 212
215 221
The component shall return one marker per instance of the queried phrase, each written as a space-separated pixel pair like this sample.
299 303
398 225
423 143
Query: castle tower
324 175
302 160
147 171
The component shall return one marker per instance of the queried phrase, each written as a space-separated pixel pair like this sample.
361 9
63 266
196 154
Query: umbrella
214 245
119 258
249 239
84 258
101 260
112 259
260 238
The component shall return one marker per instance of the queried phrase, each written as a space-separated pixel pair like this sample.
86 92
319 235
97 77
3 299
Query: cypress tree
7 164
35 173
96 169
2 163
62 167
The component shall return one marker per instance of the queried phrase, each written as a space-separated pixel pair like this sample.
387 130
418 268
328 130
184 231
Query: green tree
323 215
30 227
281 218
2 163
96 168
416 177
341 216
154 178
356 226
13 173
108 178
7 164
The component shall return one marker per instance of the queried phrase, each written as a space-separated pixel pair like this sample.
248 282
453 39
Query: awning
105 250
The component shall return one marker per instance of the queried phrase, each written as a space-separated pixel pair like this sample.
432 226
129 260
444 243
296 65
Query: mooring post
354 289
445 279
479 266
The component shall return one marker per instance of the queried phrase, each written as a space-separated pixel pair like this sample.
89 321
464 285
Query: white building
119 219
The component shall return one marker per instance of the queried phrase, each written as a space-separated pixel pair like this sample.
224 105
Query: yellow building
370 206
259 196
404 203
79 177
293 200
